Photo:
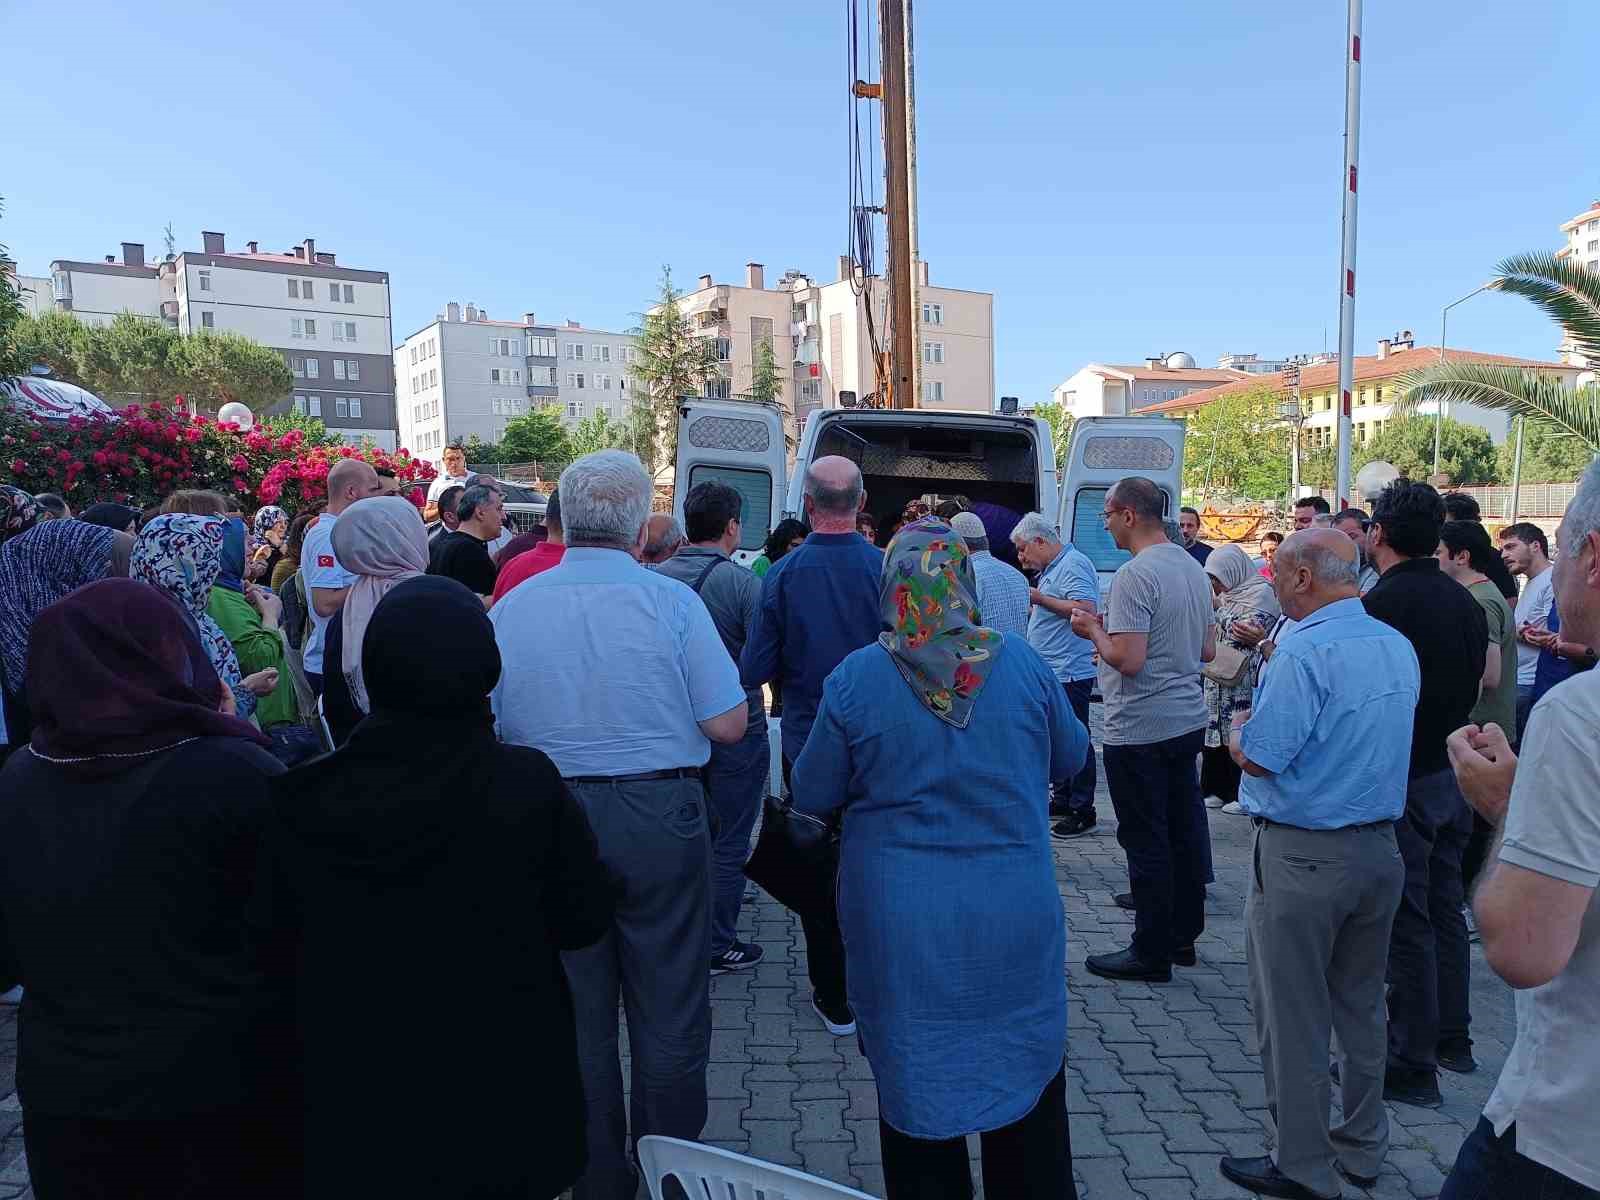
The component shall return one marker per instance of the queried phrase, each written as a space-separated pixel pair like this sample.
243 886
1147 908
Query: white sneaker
1215 801
1234 809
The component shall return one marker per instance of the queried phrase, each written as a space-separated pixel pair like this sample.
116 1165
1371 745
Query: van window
1089 532
755 488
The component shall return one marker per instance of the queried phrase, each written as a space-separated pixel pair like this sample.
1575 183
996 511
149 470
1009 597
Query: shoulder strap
711 566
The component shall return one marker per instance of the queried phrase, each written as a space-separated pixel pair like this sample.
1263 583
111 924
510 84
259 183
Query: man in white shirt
453 475
326 582
1538 908
1526 552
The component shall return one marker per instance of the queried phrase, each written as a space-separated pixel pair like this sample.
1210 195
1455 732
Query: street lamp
1438 405
1289 410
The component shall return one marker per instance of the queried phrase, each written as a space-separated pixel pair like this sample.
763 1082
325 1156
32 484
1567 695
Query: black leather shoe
1403 1085
1262 1175
1367 1182
1127 964
1125 900
1184 956
1457 1057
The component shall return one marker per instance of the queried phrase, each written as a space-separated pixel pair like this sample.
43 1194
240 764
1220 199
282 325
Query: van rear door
1104 450
739 443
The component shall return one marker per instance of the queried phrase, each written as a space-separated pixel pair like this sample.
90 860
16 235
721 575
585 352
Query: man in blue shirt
1067 583
1324 750
819 602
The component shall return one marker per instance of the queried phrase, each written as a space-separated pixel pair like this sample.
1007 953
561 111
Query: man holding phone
1527 553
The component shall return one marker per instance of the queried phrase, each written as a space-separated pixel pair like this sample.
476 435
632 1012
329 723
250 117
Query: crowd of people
264 776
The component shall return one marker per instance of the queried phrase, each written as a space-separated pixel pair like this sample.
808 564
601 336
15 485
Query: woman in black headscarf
153 1025
425 853
122 517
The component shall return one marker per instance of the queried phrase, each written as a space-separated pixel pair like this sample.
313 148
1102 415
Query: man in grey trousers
619 675
1324 750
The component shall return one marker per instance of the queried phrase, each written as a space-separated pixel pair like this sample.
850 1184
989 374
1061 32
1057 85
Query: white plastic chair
708 1173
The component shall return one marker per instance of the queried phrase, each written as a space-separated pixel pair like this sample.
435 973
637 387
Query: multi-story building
1373 394
1250 364
737 319
32 290
330 322
1582 247
464 375
1115 390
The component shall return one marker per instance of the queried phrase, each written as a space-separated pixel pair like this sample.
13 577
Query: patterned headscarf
266 517
928 599
383 542
1246 592
231 576
19 512
37 568
181 553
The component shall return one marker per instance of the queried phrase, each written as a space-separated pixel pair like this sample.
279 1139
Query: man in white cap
1002 589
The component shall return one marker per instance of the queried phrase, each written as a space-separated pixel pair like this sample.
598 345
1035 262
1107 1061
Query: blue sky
1128 179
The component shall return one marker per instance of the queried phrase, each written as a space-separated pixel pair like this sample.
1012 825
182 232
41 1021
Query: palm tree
1571 297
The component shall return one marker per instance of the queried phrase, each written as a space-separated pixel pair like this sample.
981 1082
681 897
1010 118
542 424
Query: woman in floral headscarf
19 512
181 553
935 746
268 532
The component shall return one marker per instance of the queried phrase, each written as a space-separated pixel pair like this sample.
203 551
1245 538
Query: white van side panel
741 444
1104 450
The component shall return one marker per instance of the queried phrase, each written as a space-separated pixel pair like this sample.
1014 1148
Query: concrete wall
98 293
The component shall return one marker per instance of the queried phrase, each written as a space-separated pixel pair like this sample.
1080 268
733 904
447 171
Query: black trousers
1489 1168
1162 826
205 1157
805 885
1077 794
1030 1159
1219 774
1429 959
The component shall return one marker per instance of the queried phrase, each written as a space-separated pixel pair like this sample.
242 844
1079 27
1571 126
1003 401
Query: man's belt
640 777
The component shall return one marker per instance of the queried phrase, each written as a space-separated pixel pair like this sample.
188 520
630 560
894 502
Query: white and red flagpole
1347 264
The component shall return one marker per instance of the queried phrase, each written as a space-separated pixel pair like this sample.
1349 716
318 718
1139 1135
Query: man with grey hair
819 603
663 537
1317 936
1537 910
619 675
1002 589
1067 583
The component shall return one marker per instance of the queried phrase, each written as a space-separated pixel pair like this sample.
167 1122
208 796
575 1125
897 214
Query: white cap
969 526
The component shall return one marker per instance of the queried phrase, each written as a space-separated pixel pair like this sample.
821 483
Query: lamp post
1438 405
1290 411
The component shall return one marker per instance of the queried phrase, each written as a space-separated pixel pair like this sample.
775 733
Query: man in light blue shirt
1002 589
1324 750
1067 582
618 674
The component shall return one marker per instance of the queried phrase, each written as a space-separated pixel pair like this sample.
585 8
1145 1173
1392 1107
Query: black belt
1260 821
641 777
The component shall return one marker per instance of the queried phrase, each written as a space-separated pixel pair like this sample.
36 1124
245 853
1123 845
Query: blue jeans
1078 792
1161 824
736 781
1489 1168
294 744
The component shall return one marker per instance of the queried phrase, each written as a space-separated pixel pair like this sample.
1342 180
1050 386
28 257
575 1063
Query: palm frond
1568 293
1541 399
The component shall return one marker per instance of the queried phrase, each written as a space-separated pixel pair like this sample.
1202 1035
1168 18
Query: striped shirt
1002 594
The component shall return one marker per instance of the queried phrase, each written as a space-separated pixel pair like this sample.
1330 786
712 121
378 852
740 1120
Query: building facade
330 322
33 290
465 376
1115 390
1373 395
1250 364
1581 246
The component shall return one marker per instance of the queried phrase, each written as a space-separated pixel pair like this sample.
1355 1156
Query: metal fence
1532 501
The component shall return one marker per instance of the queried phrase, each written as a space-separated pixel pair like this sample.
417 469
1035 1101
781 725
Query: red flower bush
158 449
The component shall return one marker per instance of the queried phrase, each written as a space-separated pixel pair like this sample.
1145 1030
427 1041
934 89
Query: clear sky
1128 179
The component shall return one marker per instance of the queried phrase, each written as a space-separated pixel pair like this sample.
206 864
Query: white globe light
234 413
1374 477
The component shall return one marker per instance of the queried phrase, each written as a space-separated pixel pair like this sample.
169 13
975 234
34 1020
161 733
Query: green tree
599 432
1060 422
1237 446
484 454
316 432
766 382
536 436
131 359
670 363
54 339
215 368
1466 452
11 313
1548 456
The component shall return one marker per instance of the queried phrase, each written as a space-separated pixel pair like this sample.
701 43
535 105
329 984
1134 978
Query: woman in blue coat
934 748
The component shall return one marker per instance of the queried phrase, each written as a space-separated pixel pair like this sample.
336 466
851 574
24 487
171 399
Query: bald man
326 582
1324 749
819 602
662 539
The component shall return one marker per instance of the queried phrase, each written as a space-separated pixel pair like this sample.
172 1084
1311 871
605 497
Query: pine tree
669 364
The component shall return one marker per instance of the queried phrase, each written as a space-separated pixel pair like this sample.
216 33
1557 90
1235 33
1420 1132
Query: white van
903 455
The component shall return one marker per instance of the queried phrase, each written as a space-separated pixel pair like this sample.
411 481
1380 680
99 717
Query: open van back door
1104 450
739 443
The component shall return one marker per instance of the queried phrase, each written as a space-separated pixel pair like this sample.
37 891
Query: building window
575 351
933 352
205 280
308 290
352 369
294 288
313 406
313 368
341 407
718 389
811 389
433 377
627 355
343 331
933 314
349 292
297 364
208 320
432 348
574 407
300 404
413 356
724 347
933 391
355 406
603 382
602 354
338 368
542 347
552 377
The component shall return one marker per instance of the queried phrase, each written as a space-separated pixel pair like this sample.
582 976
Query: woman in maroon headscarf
153 1025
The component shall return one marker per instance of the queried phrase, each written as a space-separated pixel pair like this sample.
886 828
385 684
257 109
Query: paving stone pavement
1162 1079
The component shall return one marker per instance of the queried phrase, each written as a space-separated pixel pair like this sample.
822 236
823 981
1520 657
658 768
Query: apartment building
1373 394
465 375
738 318
1115 389
1251 364
330 322
1581 235
33 290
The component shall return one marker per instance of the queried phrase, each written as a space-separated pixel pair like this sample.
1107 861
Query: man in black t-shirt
463 553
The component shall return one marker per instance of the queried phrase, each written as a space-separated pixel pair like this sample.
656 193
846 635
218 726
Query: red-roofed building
1373 394
1114 389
